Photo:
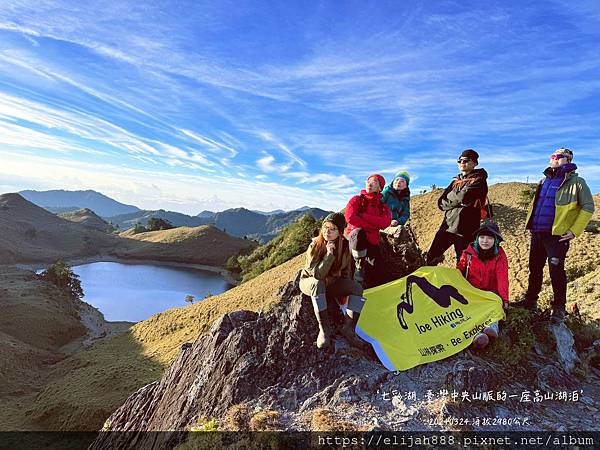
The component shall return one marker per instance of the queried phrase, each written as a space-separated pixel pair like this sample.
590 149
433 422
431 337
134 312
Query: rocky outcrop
265 362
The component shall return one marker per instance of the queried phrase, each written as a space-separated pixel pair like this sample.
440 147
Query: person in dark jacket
366 215
461 202
397 196
484 264
561 209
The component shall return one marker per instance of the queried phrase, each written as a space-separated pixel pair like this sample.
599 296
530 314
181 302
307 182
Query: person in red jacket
366 214
485 265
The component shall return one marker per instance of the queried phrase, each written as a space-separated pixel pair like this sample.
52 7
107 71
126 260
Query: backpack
486 211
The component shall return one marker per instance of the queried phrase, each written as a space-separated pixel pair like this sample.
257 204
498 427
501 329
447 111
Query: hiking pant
338 288
442 242
545 247
362 250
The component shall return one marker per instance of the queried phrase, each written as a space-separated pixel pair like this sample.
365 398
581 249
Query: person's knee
312 287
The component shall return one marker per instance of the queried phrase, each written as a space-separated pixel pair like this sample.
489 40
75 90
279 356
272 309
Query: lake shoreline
227 275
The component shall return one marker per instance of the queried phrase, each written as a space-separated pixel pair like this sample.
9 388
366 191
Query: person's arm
346 269
353 217
502 277
383 221
405 213
462 263
586 203
444 203
318 268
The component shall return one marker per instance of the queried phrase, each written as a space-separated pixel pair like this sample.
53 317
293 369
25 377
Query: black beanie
471 154
337 219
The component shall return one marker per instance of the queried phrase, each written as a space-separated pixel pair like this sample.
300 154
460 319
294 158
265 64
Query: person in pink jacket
366 214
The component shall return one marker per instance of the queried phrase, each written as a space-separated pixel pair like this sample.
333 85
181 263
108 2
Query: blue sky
191 105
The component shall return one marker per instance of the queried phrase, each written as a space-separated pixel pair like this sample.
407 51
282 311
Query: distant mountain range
240 222
59 201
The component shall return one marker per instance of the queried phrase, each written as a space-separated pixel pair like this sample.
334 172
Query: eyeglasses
464 160
557 156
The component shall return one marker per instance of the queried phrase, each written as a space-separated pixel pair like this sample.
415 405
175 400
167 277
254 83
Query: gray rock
567 356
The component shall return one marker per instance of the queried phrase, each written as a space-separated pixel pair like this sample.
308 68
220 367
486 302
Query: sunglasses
464 160
557 156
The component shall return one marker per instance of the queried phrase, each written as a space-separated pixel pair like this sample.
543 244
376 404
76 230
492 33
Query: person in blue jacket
397 196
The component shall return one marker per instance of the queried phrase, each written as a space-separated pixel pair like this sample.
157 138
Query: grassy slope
88 386
584 254
32 234
200 245
85 217
37 320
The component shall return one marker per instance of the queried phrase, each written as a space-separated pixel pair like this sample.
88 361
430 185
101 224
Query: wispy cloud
335 97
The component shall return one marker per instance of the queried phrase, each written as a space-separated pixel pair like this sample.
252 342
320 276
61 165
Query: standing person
461 202
326 275
484 264
366 215
397 196
562 207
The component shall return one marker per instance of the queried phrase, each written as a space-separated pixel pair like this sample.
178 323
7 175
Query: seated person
326 275
485 265
397 196
366 215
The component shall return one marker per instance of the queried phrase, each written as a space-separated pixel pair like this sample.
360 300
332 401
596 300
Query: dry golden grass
583 257
84 389
323 419
32 234
85 217
268 420
238 418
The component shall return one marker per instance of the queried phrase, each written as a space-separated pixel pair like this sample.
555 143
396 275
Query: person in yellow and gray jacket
562 207
327 275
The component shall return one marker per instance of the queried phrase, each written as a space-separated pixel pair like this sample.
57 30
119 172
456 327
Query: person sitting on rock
366 214
397 196
327 276
485 265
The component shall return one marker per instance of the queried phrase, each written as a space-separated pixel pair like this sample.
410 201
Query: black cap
471 154
489 227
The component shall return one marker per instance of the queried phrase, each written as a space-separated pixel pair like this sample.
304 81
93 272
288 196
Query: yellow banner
426 316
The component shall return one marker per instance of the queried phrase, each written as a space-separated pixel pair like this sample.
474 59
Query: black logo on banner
442 296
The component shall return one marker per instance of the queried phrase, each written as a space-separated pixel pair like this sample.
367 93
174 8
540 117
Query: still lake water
134 292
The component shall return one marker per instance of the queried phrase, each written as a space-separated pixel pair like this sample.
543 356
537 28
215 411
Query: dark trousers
361 248
546 247
442 242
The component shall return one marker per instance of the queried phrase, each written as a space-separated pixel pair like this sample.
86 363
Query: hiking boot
524 304
349 332
324 337
558 316
480 341
490 332
435 261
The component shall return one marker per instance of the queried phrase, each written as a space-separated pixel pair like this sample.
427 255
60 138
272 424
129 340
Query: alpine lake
134 292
